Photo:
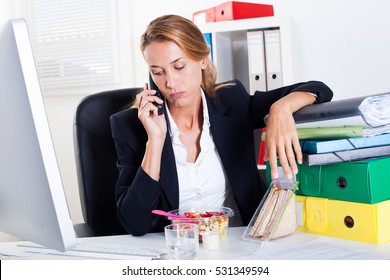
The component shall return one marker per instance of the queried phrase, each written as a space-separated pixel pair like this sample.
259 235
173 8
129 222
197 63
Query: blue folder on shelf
337 145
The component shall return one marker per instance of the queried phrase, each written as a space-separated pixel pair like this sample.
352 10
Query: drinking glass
182 241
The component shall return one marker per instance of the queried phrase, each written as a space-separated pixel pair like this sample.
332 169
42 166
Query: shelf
230 50
242 24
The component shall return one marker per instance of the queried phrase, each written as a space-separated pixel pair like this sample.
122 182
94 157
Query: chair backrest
96 158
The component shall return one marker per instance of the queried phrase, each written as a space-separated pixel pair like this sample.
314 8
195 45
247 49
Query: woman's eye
179 67
159 73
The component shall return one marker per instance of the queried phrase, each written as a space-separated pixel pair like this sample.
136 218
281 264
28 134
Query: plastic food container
207 220
276 215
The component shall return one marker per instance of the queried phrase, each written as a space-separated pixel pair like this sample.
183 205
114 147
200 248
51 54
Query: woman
200 153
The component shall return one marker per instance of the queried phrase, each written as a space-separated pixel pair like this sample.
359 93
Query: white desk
296 246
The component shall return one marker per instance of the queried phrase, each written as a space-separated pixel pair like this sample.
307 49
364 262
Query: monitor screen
32 200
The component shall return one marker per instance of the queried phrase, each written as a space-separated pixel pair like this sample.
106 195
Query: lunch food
216 219
277 216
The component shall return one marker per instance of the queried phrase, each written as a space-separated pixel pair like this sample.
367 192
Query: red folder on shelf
260 160
204 16
239 10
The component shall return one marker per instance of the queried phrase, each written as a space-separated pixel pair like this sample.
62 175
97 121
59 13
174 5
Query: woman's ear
204 63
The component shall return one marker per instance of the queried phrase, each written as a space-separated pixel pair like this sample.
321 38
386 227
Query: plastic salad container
207 220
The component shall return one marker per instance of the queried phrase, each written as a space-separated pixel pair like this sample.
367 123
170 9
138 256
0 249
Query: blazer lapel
168 174
226 135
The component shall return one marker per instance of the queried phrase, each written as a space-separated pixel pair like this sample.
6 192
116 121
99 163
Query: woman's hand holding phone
160 107
148 113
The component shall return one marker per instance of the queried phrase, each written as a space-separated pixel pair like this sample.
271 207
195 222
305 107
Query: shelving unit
230 48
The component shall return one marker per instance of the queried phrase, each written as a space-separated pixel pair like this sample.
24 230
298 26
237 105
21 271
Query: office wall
343 43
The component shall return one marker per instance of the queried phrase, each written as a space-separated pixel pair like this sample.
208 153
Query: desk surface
299 246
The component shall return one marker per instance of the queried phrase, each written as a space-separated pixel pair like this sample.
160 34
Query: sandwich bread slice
277 216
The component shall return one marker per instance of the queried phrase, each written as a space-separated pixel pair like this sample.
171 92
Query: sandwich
277 216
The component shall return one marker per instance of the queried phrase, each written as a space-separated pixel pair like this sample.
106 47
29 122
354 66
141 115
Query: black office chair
96 161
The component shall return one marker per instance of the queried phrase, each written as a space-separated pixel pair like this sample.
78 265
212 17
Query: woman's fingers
283 151
144 98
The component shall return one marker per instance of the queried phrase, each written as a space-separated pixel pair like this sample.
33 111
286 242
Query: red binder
260 160
239 10
204 16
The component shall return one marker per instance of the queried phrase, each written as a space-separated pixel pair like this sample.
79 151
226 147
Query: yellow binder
343 219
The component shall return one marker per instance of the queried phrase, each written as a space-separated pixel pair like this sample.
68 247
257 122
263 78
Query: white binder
273 59
256 61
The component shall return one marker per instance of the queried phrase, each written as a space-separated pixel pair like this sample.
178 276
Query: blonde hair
189 38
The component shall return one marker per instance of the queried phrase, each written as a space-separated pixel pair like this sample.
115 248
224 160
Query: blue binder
336 145
209 40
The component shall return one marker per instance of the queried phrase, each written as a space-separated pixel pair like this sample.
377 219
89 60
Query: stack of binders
341 195
345 130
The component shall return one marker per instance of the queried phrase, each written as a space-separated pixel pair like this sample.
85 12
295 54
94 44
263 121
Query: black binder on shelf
367 111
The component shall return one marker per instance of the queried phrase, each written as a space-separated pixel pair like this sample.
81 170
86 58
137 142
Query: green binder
363 181
359 181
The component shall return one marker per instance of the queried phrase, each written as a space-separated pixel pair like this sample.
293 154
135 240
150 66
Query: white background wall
343 43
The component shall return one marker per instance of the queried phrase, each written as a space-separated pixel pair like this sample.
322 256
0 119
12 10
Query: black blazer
234 114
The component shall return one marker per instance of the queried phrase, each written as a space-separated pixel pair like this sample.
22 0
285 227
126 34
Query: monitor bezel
33 203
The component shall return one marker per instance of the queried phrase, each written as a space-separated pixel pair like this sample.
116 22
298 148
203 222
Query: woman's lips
176 95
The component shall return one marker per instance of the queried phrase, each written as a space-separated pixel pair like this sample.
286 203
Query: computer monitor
32 200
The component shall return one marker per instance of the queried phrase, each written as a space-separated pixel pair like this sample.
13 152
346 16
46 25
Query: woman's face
176 75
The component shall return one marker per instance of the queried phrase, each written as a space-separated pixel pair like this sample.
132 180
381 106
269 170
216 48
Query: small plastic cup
210 239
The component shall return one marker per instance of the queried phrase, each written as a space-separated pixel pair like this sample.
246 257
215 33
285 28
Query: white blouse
203 184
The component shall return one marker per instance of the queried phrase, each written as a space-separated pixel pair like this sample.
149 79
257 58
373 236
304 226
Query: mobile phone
160 107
